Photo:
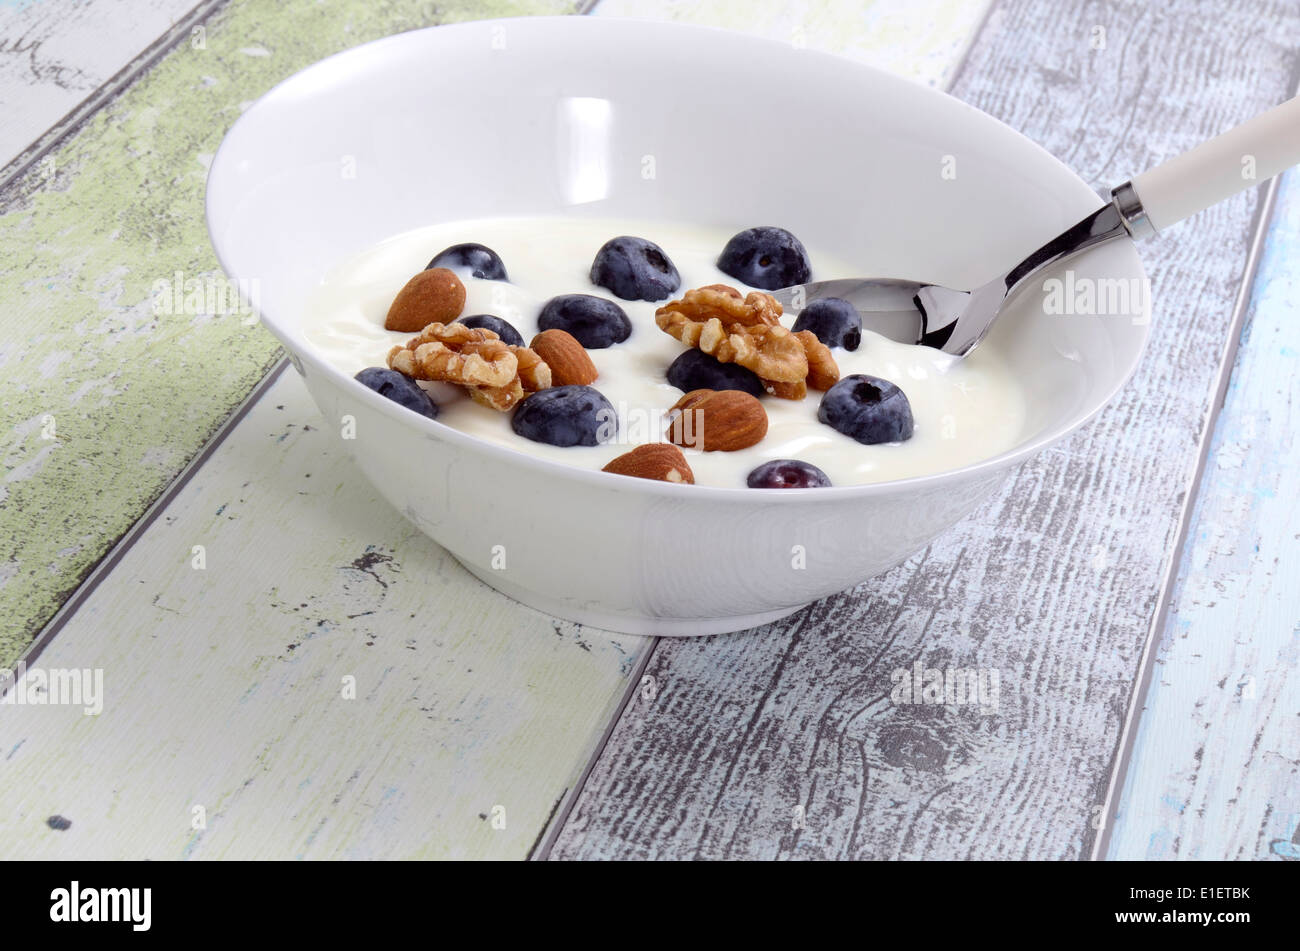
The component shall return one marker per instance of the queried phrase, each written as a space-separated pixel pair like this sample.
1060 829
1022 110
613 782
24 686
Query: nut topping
659 461
717 321
492 372
717 421
435 295
568 359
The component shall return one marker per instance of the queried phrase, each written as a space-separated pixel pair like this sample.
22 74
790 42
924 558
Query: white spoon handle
1253 152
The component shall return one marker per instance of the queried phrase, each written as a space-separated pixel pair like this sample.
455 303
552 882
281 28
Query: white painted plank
920 39
223 686
1215 766
53 55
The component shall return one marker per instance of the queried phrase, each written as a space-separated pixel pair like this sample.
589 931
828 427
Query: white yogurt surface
964 410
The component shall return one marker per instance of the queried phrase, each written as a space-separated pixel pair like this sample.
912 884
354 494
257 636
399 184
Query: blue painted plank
1213 771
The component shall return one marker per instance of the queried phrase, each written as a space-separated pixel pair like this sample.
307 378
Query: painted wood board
53 55
223 685
1215 767
103 401
920 39
785 742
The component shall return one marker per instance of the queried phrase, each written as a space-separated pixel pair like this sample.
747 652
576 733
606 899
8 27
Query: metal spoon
956 321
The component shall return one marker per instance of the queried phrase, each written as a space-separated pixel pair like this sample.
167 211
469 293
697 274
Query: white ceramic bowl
478 120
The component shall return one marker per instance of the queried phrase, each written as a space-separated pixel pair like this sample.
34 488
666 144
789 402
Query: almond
432 296
717 420
659 461
570 365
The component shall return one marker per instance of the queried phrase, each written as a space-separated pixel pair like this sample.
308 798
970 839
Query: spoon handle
1253 152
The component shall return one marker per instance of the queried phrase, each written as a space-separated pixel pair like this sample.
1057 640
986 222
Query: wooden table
291 670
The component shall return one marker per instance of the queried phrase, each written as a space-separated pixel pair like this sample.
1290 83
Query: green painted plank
103 402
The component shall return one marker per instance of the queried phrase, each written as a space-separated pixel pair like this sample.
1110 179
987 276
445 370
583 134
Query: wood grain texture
223 685
920 39
1215 767
103 400
53 55
785 743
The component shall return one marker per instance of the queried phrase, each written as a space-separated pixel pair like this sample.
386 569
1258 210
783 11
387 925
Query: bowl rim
433 429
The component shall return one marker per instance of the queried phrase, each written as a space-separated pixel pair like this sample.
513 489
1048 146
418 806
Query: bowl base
626 623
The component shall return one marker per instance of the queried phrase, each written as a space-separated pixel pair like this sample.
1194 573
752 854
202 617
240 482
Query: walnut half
493 372
747 331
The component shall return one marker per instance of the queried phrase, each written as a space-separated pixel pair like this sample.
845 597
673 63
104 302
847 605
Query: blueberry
869 409
766 257
696 370
500 327
835 322
787 474
400 389
635 269
566 416
595 322
481 260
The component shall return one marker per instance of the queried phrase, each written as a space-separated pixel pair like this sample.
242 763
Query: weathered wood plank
920 39
1215 766
785 742
103 401
223 685
54 55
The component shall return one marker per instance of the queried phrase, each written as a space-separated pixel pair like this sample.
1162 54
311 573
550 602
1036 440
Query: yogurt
964 410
